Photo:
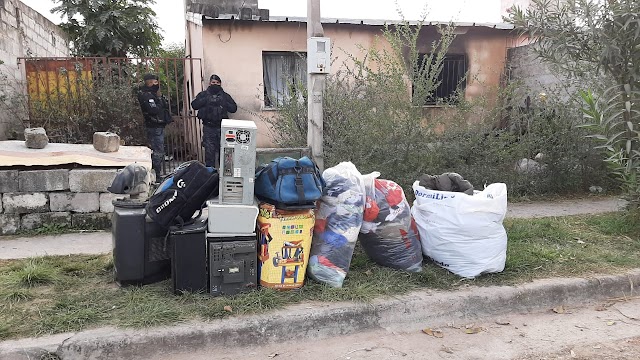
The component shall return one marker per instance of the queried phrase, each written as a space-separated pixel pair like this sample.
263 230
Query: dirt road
609 330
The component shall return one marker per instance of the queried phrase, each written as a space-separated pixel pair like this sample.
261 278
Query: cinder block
106 142
97 221
75 202
34 221
9 181
106 201
35 138
9 224
44 180
21 203
89 180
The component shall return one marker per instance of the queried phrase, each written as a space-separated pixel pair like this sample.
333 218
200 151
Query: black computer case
140 253
232 265
189 257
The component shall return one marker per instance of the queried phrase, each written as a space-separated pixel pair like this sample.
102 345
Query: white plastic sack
463 233
338 222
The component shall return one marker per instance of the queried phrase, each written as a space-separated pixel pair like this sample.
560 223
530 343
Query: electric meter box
319 55
237 161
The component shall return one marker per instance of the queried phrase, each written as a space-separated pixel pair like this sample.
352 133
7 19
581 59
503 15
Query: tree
115 28
589 38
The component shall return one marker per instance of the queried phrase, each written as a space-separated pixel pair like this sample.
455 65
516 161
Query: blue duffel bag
288 183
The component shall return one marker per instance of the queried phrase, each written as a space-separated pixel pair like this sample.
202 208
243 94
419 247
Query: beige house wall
233 50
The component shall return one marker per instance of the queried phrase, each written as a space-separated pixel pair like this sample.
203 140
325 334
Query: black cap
150 77
215 77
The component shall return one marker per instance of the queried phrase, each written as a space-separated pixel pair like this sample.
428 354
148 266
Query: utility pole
315 86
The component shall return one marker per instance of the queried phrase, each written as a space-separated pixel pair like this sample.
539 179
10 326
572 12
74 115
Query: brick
106 142
44 180
9 181
9 224
89 180
97 221
1 210
37 220
35 138
106 199
21 203
75 202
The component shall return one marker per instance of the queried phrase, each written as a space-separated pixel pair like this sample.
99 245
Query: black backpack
182 194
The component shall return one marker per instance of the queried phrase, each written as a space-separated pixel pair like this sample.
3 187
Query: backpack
288 183
182 194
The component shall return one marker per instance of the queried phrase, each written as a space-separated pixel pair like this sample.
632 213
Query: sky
172 23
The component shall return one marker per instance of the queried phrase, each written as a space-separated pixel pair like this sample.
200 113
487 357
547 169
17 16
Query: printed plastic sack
463 233
338 221
388 235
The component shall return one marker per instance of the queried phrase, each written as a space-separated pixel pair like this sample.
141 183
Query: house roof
369 22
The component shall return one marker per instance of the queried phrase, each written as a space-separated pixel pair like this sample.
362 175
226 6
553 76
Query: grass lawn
68 293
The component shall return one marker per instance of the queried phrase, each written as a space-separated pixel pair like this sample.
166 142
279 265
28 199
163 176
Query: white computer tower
237 161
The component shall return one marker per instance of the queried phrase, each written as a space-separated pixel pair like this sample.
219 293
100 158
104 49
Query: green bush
371 120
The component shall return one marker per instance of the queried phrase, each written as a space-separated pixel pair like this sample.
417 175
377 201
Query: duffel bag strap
299 183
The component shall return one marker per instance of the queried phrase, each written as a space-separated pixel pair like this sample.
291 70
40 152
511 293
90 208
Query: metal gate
66 88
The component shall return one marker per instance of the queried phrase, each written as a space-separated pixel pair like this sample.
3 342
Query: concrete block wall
25 33
30 199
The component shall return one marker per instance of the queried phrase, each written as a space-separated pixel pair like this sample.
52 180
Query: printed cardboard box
284 244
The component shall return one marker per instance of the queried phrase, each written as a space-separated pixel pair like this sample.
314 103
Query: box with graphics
284 243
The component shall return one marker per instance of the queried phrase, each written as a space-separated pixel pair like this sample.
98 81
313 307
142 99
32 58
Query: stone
9 181
106 201
35 138
106 142
529 166
9 224
97 221
25 203
90 180
75 202
37 220
44 180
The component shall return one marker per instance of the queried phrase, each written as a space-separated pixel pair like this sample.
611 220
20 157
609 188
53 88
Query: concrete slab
15 153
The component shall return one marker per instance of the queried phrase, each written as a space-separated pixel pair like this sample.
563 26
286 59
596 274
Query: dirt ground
607 330
594 205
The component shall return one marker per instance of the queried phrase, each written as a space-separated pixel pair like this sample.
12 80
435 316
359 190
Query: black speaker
140 253
189 257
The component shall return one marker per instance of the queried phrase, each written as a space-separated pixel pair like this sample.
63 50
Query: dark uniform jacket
155 109
212 108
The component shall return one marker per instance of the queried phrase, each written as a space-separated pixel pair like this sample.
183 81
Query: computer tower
237 161
188 246
140 253
232 265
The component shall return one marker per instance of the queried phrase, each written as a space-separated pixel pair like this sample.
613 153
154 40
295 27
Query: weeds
35 272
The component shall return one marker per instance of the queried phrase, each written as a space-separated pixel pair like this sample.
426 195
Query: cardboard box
284 245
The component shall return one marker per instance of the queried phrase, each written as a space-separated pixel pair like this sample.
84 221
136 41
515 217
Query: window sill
269 109
439 106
